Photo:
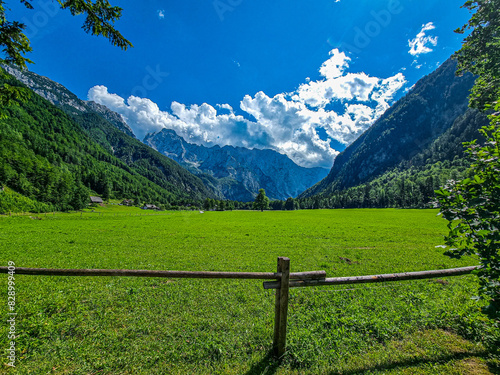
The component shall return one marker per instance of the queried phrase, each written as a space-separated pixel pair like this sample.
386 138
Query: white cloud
161 13
225 106
420 43
335 65
291 123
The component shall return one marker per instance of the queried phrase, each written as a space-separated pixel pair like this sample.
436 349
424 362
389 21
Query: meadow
120 325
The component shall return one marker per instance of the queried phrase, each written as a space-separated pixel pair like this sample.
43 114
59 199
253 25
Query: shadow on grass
266 366
415 362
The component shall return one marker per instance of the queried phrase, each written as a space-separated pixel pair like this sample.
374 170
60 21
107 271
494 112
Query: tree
472 208
99 20
277 205
221 206
261 201
206 204
100 17
472 205
480 52
290 204
80 196
137 201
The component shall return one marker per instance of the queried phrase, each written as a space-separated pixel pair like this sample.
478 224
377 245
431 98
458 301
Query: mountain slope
406 129
112 117
411 183
110 131
50 160
238 173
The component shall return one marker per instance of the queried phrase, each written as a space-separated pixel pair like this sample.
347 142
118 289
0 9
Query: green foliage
99 20
403 187
291 204
472 207
138 157
261 201
15 44
9 95
276 205
480 52
209 204
10 201
47 157
100 17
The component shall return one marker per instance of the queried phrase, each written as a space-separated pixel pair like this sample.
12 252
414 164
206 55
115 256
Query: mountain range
233 173
237 173
56 149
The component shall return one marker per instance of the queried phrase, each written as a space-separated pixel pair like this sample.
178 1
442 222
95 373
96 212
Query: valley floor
120 325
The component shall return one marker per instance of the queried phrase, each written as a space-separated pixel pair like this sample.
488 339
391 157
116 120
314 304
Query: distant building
127 202
96 200
150 207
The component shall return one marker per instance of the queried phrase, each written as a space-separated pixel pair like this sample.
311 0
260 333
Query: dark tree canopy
261 201
472 205
480 52
290 204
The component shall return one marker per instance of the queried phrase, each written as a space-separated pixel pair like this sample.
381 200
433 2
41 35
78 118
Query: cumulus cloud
292 123
225 106
420 43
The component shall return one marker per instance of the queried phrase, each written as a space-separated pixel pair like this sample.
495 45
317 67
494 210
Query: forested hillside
49 161
410 126
413 149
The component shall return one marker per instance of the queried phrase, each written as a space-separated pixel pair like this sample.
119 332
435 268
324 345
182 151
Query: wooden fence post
281 307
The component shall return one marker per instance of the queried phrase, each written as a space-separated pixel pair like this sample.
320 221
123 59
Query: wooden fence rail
375 278
284 281
174 274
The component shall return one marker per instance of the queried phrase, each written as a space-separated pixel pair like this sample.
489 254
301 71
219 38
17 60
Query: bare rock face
238 172
61 97
54 92
114 118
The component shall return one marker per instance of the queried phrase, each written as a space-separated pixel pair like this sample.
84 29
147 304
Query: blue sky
302 77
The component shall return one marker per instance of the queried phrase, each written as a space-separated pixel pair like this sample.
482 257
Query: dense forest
48 161
412 182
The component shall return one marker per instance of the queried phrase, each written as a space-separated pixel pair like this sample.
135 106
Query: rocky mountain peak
238 172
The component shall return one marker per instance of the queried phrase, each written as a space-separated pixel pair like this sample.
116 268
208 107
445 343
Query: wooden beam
281 307
375 278
277 312
172 274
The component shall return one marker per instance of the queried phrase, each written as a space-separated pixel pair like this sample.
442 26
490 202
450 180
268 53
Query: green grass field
120 325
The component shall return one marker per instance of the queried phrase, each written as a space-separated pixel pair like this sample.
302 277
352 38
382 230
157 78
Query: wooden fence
283 281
